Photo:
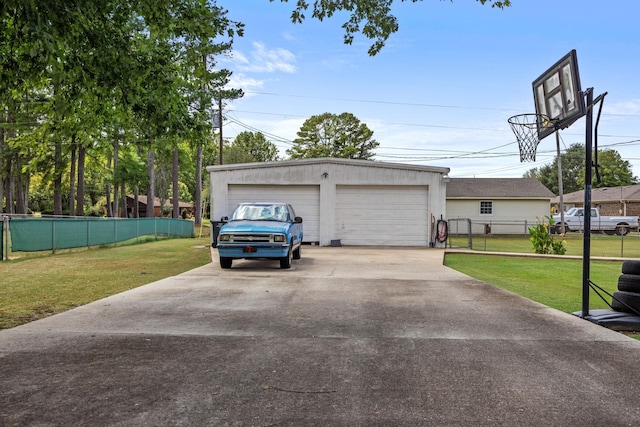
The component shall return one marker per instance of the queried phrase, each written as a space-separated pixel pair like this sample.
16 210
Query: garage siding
382 215
305 200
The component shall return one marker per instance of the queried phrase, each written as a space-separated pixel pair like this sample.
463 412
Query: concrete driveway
347 337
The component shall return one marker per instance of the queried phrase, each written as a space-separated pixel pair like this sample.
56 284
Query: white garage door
382 215
305 200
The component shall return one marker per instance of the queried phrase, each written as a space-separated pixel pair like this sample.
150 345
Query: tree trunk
116 178
72 176
150 184
82 153
57 178
12 170
176 194
11 192
136 202
3 168
125 208
107 192
198 202
21 206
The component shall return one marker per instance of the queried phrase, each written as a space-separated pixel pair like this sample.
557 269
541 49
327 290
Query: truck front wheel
286 261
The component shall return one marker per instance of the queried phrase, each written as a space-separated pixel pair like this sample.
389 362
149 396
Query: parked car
574 221
260 230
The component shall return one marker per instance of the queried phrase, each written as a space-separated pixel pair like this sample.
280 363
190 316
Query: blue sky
441 90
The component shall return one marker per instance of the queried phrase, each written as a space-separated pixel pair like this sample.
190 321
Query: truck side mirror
297 220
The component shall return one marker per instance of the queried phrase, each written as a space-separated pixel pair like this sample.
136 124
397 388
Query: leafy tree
614 171
249 147
372 18
330 135
73 71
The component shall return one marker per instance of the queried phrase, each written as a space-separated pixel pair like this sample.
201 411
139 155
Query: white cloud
263 60
240 80
238 57
628 107
288 36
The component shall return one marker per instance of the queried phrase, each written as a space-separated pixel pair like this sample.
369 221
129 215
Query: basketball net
525 127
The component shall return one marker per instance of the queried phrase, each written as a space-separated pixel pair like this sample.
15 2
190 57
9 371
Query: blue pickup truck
260 230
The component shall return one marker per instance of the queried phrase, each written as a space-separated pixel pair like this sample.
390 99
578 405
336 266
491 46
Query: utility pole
220 122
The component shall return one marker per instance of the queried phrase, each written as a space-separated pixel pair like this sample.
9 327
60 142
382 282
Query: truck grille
251 238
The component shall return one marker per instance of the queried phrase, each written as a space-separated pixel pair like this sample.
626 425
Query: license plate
250 249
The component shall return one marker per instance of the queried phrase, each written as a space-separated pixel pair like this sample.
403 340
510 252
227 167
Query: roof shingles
524 188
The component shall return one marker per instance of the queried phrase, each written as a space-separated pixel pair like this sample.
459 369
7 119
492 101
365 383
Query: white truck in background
574 221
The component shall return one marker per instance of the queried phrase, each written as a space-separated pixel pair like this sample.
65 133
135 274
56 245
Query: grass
38 286
554 282
601 245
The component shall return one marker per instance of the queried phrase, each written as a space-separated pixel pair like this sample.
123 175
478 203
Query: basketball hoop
526 127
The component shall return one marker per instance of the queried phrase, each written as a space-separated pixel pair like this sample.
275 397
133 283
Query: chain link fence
513 236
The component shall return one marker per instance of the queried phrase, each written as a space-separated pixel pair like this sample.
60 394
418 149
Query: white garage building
355 202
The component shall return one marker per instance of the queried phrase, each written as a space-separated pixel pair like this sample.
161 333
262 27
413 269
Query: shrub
543 242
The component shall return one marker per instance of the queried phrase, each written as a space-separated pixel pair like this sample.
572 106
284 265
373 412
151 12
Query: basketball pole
560 185
586 248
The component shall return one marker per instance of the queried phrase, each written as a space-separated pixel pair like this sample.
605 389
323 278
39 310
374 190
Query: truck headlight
280 238
224 238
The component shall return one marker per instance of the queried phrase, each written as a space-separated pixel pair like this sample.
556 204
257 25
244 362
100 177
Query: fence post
470 235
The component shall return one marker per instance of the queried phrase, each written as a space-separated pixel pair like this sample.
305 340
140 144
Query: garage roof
325 160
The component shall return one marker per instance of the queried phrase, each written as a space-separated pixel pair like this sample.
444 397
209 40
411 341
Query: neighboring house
353 202
610 200
496 205
157 206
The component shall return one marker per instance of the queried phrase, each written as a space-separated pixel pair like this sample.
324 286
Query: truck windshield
260 213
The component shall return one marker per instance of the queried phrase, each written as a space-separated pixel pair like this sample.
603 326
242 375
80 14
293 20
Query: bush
543 242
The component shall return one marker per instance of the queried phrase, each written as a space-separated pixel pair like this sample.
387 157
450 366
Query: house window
486 207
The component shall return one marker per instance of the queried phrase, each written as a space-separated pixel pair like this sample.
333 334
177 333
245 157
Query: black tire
622 229
297 254
226 262
626 302
631 266
286 261
629 283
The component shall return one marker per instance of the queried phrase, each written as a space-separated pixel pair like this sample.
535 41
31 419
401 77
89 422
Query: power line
408 104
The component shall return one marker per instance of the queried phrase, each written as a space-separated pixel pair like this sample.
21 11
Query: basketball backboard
558 96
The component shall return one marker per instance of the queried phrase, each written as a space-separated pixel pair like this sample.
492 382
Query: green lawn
601 245
554 282
38 286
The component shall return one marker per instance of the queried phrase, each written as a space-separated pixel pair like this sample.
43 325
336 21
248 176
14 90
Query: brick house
623 200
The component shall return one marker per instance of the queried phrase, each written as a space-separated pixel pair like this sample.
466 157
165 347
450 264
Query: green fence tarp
41 234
